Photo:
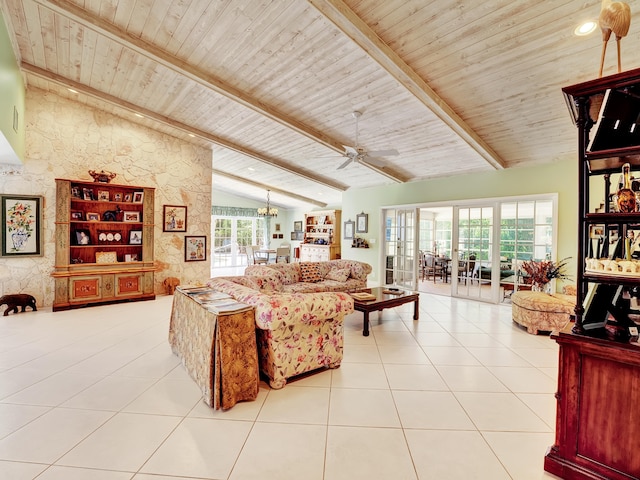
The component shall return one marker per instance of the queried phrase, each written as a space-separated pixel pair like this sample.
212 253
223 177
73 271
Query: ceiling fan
356 154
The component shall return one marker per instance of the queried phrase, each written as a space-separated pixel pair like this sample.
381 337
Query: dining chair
252 256
282 254
432 267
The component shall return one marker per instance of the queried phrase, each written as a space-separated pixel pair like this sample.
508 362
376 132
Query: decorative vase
626 198
541 287
19 239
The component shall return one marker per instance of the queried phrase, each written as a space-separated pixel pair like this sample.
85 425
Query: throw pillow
338 274
309 272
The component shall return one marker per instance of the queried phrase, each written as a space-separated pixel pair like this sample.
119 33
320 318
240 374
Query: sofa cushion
309 272
338 274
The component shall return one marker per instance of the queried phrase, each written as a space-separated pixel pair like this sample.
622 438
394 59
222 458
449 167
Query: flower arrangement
20 218
542 272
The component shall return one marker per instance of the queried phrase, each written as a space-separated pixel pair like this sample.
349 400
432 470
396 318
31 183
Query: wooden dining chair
283 254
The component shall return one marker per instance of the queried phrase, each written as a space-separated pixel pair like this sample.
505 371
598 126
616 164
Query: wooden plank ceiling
455 87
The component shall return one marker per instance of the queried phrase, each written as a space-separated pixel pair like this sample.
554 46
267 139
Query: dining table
266 253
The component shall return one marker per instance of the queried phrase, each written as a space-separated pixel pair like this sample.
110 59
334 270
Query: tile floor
97 394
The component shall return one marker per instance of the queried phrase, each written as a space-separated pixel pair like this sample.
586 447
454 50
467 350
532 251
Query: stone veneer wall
65 139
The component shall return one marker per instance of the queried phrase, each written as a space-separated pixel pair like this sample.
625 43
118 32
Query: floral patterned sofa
305 277
297 331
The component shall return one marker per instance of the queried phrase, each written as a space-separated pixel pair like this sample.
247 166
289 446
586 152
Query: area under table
385 300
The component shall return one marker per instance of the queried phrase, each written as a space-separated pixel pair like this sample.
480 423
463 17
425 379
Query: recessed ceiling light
251 169
191 135
139 115
72 90
585 28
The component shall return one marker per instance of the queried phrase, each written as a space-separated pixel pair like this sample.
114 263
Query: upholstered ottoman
541 311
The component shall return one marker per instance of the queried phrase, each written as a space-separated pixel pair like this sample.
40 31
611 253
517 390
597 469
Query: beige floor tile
361 354
525 379
414 377
282 452
363 408
51 435
498 356
53 390
20 471
12 417
200 447
74 473
403 338
450 356
431 410
359 375
543 404
436 339
167 397
500 412
123 443
522 453
404 354
296 404
453 455
355 453
111 393
470 378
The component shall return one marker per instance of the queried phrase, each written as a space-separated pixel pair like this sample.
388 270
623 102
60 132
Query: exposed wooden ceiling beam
351 25
77 14
80 88
268 187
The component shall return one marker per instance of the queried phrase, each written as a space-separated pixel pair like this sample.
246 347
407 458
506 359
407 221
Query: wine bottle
626 198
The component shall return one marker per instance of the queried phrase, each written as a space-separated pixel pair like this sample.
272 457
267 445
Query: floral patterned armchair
296 332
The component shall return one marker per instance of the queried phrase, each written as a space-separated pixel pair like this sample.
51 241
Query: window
230 236
526 230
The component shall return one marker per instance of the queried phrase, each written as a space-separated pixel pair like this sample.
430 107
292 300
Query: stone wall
65 139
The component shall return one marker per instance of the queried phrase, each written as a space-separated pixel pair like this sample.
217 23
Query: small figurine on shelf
102 176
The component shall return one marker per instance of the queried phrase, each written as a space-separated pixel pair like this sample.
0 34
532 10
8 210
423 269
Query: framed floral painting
175 218
21 225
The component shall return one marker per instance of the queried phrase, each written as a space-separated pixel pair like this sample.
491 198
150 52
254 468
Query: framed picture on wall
349 226
297 226
174 218
195 248
362 223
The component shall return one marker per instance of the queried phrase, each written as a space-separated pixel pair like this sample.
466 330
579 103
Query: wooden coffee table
385 300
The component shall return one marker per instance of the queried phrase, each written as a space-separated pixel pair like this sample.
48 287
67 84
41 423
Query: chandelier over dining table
268 211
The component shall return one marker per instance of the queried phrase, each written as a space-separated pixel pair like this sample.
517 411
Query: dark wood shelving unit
599 369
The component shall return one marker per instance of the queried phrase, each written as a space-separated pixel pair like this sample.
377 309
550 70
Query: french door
400 247
475 270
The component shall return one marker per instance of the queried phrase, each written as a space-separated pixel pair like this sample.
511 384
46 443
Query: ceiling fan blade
376 162
384 153
345 164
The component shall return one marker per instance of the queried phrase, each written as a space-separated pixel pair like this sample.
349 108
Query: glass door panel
476 277
400 247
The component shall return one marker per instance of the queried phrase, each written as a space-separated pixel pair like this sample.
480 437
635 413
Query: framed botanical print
348 229
174 218
21 225
195 248
362 223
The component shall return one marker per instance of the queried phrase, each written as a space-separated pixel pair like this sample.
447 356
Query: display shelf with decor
104 243
321 236
599 358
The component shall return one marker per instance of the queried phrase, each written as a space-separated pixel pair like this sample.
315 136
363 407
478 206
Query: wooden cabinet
598 397
321 236
104 243
599 370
